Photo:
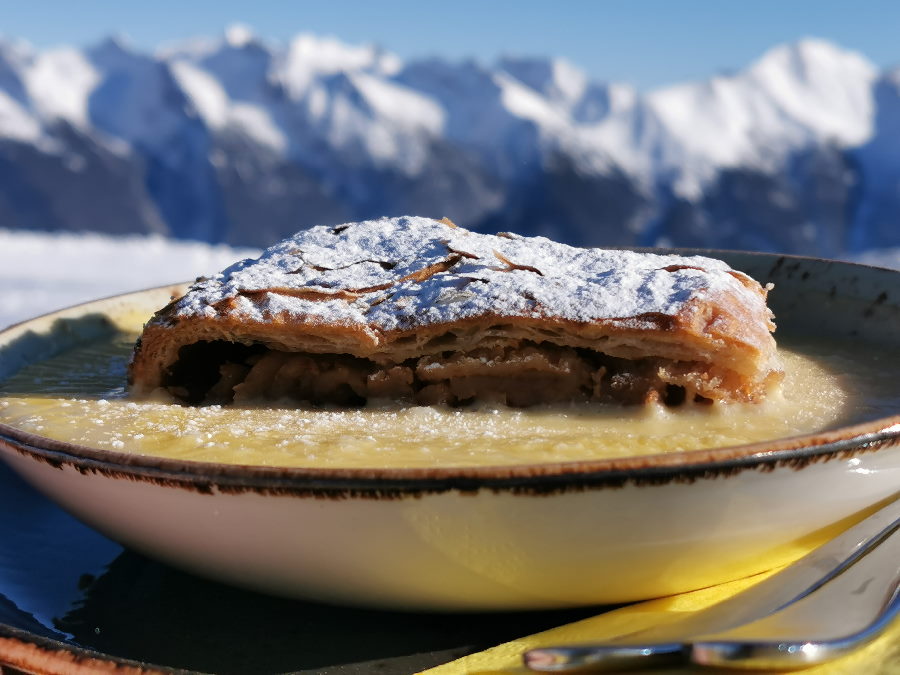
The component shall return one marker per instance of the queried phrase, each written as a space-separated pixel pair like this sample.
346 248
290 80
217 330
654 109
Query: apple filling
518 373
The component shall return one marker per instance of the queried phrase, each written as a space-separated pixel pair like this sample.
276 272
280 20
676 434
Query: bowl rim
31 650
795 452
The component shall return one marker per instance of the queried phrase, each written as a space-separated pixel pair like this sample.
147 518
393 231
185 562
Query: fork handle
850 609
616 658
848 612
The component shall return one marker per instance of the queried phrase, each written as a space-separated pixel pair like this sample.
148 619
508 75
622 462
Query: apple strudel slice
420 310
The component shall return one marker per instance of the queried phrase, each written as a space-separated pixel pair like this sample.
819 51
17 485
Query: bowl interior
811 298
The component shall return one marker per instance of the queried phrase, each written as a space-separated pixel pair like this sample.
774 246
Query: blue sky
646 42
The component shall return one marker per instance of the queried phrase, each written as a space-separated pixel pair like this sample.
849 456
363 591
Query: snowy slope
40 273
794 96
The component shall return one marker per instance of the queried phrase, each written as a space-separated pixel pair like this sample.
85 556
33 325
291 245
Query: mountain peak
115 51
806 58
824 88
15 49
239 35
554 78
309 56
119 42
328 53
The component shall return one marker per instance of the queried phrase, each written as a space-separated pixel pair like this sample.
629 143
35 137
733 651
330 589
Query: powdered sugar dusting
400 273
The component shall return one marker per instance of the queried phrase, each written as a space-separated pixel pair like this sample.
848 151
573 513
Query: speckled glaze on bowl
527 536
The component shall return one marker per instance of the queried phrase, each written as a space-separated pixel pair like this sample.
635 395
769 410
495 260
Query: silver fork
835 599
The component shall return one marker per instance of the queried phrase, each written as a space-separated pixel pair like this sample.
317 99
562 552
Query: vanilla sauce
79 396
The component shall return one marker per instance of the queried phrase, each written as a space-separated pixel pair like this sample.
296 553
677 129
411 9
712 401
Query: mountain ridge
239 140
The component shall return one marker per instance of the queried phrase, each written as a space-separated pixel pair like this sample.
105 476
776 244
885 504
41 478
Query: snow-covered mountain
241 141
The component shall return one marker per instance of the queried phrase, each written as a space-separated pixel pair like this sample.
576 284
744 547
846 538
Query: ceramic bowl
525 536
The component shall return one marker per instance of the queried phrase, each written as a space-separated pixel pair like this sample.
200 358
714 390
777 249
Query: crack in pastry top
399 273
